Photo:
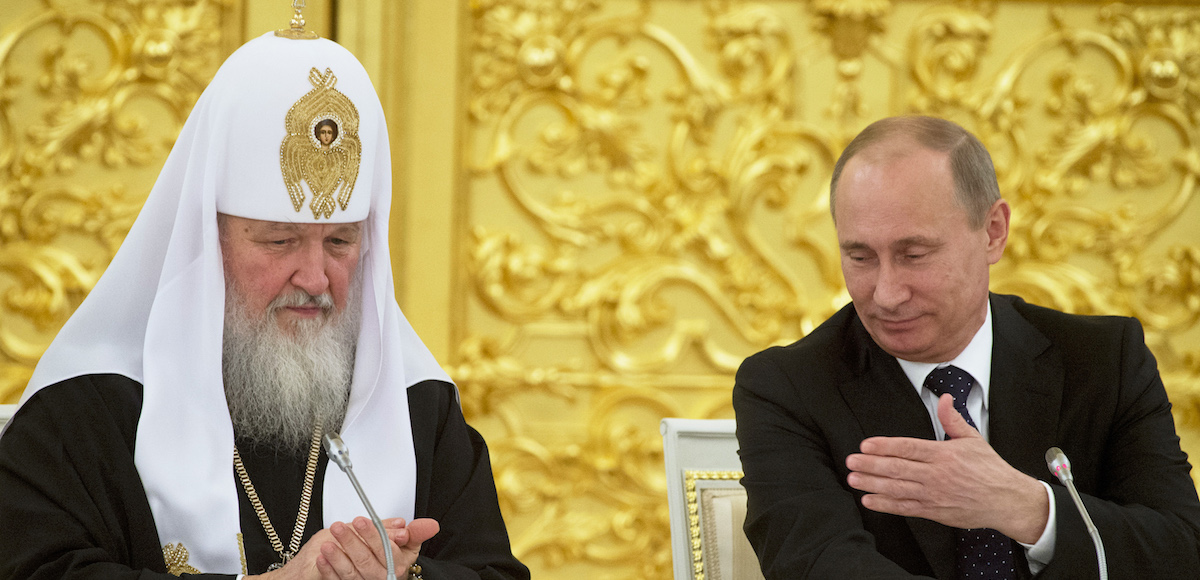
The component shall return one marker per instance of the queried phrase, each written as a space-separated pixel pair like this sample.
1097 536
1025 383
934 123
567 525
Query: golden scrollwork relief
643 200
92 94
645 205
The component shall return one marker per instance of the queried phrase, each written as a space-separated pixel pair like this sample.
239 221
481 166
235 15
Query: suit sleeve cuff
1041 552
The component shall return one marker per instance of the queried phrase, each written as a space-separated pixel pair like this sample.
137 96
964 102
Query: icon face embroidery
321 149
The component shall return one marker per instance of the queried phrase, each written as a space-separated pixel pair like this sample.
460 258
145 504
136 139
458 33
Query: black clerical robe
72 505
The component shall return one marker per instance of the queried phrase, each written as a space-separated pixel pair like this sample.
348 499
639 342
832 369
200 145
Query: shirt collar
976 359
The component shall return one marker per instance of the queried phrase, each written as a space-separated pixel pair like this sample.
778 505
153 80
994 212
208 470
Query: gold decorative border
242 553
693 509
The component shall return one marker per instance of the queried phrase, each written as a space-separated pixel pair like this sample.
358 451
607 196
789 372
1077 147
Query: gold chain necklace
305 496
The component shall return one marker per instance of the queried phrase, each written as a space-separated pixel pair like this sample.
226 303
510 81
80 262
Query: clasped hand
354 551
960 482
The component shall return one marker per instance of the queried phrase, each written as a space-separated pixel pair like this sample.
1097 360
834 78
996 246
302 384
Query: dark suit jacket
1085 384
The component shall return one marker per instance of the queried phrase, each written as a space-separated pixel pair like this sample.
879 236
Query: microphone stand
1060 466
340 454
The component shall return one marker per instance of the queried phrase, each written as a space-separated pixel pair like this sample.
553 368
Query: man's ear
996 225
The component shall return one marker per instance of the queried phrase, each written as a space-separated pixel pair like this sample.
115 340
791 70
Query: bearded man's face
292 317
268 261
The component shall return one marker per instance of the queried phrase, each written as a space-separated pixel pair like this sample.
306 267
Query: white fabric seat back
706 501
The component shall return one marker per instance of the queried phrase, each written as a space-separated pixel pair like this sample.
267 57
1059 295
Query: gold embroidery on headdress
322 147
176 558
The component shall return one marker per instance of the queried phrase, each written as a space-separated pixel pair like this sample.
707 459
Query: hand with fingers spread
960 482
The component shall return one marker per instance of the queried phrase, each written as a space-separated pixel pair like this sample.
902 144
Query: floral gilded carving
646 206
93 94
644 200
651 214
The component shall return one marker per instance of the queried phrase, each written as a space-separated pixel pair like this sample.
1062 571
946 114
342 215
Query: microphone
1060 466
340 454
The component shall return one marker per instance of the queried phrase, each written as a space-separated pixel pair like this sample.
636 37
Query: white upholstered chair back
706 501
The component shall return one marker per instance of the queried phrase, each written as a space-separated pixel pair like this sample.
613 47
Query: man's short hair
975 185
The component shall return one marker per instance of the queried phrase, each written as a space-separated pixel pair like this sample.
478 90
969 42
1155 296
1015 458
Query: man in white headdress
174 424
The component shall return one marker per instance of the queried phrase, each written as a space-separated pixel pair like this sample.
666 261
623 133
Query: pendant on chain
287 557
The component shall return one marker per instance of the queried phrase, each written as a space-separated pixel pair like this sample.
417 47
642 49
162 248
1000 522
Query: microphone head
337 450
1059 465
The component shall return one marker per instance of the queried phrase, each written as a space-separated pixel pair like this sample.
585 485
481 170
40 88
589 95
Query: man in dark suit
906 436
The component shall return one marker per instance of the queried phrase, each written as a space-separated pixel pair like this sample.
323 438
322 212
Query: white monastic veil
156 315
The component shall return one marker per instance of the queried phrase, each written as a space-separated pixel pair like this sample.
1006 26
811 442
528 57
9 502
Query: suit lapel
1026 391
883 400
885 403
1023 407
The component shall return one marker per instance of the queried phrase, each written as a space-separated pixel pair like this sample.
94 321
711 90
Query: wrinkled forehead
229 224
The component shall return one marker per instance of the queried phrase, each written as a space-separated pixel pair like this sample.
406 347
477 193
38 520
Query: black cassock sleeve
71 503
455 487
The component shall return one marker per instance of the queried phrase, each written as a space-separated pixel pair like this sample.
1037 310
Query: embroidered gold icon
322 147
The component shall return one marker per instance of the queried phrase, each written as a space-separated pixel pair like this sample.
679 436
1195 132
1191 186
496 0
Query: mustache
299 298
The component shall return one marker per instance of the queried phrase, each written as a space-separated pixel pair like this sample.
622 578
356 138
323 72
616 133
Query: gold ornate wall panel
92 95
643 203
639 194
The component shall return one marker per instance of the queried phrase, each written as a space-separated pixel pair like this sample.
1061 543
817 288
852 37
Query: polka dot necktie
982 553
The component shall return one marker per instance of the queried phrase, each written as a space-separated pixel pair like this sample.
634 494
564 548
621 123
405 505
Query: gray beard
278 385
